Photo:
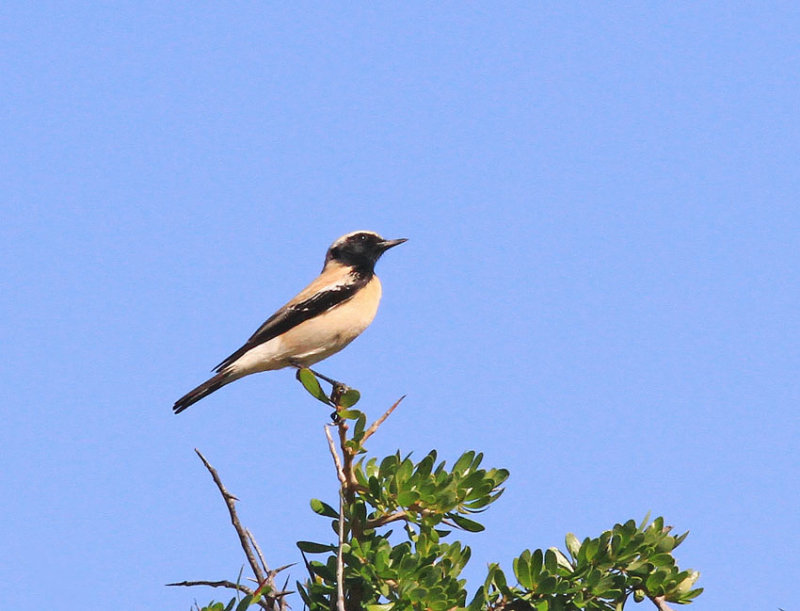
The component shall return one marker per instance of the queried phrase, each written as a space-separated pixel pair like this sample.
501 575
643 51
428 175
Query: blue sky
600 288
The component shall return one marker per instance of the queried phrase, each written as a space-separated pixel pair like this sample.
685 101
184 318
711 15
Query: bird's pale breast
317 338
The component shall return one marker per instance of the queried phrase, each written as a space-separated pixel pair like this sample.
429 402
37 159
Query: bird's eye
363 237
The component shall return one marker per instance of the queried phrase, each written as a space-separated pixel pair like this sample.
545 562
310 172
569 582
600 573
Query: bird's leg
337 390
336 393
331 381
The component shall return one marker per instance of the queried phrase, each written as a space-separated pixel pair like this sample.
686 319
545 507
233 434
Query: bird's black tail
205 389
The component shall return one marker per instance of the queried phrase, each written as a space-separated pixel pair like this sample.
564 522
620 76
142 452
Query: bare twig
265 603
254 543
374 426
224 583
336 460
240 530
283 603
271 599
280 569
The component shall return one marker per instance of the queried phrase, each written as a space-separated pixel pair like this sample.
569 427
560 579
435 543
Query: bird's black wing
293 314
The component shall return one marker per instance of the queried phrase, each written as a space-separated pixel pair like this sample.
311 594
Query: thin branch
343 481
386 519
280 569
660 603
335 455
230 501
264 603
216 584
347 464
254 543
283 604
308 565
348 483
374 426
340 556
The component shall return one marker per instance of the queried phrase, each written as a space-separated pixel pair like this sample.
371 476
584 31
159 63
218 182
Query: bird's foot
337 388
336 393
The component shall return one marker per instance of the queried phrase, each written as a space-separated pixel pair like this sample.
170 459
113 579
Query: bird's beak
387 244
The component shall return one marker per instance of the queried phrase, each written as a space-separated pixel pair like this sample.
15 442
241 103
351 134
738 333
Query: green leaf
550 561
311 384
499 578
573 545
465 524
358 510
691 594
666 545
686 583
561 560
654 582
404 471
358 430
537 559
349 414
499 475
388 466
374 487
477 505
679 539
349 398
547 585
303 594
463 462
662 560
326 571
244 603
425 466
407 497
310 547
522 569
479 601
323 509
591 546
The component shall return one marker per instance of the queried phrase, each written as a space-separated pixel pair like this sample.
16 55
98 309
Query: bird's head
360 249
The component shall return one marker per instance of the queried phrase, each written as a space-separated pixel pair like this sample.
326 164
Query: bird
319 321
